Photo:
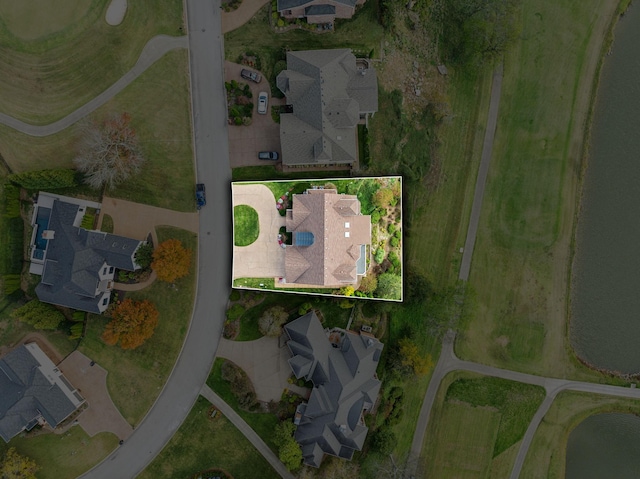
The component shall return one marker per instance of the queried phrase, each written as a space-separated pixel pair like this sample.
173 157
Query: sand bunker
116 11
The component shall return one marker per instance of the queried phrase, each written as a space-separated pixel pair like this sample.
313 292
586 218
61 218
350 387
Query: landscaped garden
246 226
239 103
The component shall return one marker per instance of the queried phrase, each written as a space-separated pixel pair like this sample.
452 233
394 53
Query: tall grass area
521 259
202 443
49 77
137 376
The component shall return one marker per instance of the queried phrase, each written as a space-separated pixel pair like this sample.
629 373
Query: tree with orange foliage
171 260
132 323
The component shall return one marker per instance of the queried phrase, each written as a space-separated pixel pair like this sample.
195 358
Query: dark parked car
201 197
268 155
249 75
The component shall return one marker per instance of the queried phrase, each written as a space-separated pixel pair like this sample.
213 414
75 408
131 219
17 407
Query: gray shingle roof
343 374
289 4
75 257
322 9
328 94
27 394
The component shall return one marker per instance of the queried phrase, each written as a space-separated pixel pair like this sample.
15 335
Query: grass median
521 260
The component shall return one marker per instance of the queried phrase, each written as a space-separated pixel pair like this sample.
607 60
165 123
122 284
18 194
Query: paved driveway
264 258
91 381
265 363
262 135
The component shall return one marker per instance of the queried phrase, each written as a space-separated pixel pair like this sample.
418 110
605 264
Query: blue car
201 197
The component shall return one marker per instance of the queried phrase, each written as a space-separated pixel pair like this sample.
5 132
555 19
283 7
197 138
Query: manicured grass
262 423
246 226
464 447
516 402
521 261
107 224
32 19
547 453
158 103
202 443
45 79
362 33
136 376
268 283
64 456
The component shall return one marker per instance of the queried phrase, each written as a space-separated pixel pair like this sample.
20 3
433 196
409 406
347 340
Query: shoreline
605 51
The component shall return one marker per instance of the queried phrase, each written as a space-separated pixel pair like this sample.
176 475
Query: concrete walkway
265 363
448 363
264 258
101 415
487 150
237 18
246 430
155 49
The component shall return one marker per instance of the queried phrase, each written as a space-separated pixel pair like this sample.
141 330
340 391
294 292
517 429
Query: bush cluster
241 386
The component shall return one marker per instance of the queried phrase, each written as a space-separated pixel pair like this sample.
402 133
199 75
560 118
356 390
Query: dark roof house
328 95
342 366
33 391
77 265
318 11
329 239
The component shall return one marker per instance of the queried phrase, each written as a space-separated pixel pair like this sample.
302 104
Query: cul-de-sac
319 239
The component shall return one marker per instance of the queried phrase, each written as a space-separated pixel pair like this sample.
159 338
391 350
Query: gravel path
155 49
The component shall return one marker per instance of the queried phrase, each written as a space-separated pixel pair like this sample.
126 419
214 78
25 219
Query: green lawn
246 225
547 453
202 443
137 376
159 105
269 172
64 456
262 423
521 261
74 56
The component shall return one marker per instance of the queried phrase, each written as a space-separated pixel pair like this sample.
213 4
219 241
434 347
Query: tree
144 255
383 197
383 440
171 260
15 466
271 321
108 153
410 357
132 323
45 179
389 286
39 315
289 450
368 284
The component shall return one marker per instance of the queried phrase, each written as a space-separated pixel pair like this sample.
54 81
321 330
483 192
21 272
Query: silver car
263 102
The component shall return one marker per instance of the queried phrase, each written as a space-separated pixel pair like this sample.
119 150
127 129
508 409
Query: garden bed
239 104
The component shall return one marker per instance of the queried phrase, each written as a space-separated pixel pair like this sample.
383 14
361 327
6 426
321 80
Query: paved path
265 363
487 149
264 258
246 430
155 49
448 362
237 18
211 151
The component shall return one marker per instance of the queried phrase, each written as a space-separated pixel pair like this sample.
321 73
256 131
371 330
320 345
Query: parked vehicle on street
268 155
263 102
201 197
250 75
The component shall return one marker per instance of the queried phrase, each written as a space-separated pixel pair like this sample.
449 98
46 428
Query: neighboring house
318 11
77 265
342 366
33 391
327 94
329 239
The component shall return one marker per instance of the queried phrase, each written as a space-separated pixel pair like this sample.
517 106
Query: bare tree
108 152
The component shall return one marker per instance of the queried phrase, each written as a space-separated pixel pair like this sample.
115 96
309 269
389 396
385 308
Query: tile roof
338 231
345 386
74 258
28 394
328 94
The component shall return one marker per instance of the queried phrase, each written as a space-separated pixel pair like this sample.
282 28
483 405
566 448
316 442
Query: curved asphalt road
152 52
214 252
448 362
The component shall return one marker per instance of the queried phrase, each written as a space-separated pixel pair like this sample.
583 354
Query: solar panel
304 238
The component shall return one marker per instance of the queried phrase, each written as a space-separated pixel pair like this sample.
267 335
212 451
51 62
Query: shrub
394 242
235 295
280 22
383 440
391 228
234 312
240 383
39 315
45 179
378 256
144 255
